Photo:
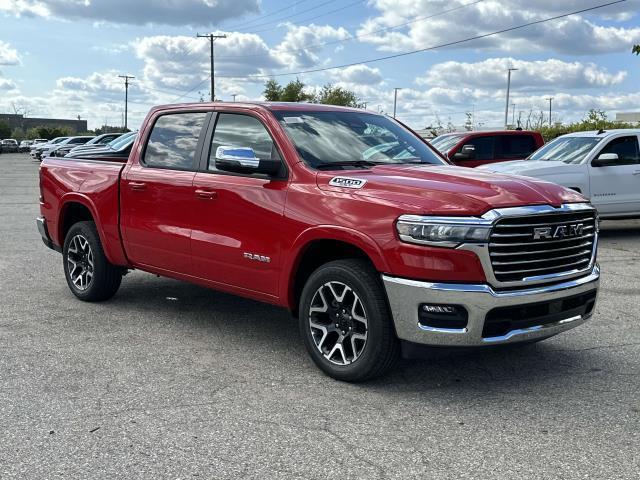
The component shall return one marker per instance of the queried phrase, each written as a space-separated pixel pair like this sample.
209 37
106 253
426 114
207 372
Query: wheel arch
75 207
318 246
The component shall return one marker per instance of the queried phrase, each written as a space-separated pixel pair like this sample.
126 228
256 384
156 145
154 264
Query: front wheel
345 321
90 276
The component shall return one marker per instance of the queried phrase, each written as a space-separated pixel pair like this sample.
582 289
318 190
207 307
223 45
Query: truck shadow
619 229
269 341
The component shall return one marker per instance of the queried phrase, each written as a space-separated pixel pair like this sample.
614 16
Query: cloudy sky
61 58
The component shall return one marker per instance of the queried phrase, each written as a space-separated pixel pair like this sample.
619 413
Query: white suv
604 166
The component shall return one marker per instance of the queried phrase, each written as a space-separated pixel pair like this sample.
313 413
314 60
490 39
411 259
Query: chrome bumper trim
406 295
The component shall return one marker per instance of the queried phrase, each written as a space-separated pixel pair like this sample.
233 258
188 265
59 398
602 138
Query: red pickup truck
351 221
472 149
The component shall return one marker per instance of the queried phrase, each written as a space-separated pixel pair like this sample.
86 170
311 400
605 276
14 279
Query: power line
270 22
306 20
434 47
260 17
354 37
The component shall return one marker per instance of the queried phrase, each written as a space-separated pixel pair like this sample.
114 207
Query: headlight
443 231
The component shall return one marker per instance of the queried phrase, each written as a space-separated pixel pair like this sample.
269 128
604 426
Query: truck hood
528 167
446 190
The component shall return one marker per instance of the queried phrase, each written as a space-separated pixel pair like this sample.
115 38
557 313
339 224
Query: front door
615 189
157 194
237 233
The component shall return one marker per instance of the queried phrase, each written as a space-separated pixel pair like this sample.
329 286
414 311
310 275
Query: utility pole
212 38
506 110
550 100
126 97
395 100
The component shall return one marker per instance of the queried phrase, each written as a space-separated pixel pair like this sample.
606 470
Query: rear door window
516 146
174 140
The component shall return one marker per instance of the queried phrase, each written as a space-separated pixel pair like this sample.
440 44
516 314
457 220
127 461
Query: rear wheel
90 276
345 321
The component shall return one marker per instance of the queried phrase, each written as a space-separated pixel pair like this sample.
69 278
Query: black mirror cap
604 162
265 167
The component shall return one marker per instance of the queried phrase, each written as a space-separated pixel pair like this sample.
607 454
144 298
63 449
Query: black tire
381 347
105 277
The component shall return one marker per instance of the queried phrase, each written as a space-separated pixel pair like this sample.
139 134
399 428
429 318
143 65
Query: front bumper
406 296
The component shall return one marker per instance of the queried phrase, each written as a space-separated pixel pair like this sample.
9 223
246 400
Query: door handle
137 185
206 194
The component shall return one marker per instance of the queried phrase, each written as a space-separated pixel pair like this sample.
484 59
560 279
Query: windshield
122 141
565 149
352 140
444 143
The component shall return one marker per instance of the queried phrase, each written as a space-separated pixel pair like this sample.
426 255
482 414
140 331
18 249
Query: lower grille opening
501 321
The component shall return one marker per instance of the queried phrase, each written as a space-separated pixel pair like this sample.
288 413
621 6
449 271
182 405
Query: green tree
636 49
18 134
272 91
5 130
294 92
332 95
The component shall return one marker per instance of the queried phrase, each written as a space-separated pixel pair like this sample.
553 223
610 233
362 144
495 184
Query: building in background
25 123
630 117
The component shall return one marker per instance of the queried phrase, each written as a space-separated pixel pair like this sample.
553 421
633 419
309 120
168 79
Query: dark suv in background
470 149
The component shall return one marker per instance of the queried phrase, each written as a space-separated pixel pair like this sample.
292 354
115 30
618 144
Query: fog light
442 316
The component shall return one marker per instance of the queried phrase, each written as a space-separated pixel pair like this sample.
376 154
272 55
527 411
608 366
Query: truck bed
95 183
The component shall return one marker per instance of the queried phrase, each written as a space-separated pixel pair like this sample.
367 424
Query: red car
346 218
470 149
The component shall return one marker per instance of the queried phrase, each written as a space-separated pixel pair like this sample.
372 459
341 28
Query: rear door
615 189
157 199
514 147
238 232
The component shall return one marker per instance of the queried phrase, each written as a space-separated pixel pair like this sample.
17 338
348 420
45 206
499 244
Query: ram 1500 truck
345 217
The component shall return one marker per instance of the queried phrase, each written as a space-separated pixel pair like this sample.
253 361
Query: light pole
506 109
395 100
550 100
234 95
513 114
126 97
212 38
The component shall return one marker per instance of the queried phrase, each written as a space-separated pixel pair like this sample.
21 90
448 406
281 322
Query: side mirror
244 160
605 160
467 152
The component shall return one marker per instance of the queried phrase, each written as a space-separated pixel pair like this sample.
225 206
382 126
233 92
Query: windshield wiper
348 163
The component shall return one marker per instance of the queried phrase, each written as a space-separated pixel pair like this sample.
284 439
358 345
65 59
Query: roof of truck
282 106
604 133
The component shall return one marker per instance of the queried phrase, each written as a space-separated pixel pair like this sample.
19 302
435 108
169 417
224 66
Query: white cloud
300 46
8 54
138 12
533 75
576 34
358 75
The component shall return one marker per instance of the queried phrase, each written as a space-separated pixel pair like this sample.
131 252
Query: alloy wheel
338 323
80 262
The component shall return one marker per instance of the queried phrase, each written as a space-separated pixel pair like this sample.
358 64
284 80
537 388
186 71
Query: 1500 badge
347 182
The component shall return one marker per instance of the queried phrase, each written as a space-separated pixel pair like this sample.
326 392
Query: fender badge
347 182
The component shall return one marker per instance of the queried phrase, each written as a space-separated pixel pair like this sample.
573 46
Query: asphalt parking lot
169 380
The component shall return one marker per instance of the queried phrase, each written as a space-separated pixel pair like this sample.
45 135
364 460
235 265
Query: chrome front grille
539 246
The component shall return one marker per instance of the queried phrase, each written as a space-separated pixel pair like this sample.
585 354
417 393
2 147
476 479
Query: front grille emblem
559 232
